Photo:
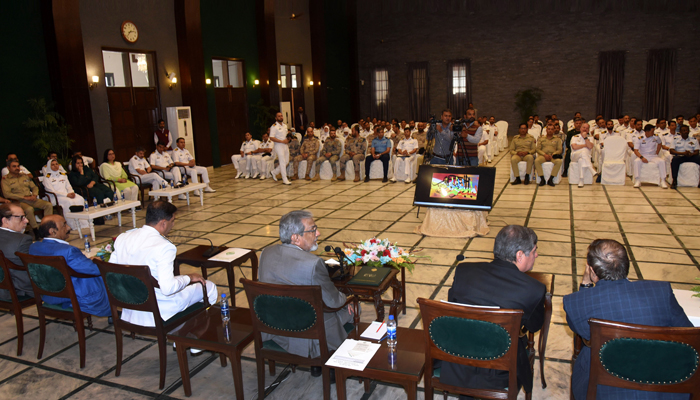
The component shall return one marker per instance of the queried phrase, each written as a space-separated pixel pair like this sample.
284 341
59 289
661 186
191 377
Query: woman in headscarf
112 170
56 181
82 175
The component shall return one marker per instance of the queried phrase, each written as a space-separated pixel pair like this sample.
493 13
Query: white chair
613 168
652 121
547 168
522 170
495 145
650 174
401 175
569 125
376 170
688 174
591 123
575 174
502 135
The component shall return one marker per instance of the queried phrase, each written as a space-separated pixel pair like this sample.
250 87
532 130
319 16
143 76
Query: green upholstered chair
132 287
51 276
17 303
476 336
292 311
640 357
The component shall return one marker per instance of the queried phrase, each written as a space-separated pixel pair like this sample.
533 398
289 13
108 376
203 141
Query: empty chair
613 168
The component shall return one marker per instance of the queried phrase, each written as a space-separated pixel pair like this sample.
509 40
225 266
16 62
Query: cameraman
442 133
470 138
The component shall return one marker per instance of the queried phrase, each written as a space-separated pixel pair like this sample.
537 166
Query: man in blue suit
605 293
91 292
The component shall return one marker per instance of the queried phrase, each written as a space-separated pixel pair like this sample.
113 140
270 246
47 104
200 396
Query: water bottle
87 245
116 198
87 207
94 202
172 185
224 309
391 359
123 197
163 185
227 332
391 332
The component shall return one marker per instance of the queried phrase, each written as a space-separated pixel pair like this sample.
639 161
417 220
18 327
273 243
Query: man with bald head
12 239
91 292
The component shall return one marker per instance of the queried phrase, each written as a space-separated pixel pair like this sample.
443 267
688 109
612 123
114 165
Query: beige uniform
310 147
354 145
519 144
334 147
16 188
547 146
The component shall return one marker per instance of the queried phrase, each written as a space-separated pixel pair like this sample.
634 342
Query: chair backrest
477 336
651 121
640 357
51 276
130 286
286 310
615 149
502 127
5 277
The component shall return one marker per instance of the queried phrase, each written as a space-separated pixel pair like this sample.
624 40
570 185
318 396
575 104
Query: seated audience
331 152
522 147
184 161
294 150
248 156
51 156
548 150
379 150
82 175
161 161
11 157
138 166
86 160
309 149
684 149
606 293
502 283
693 126
578 121
149 245
581 145
292 263
13 222
20 187
57 182
406 153
91 292
661 127
355 149
264 155
647 148
112 170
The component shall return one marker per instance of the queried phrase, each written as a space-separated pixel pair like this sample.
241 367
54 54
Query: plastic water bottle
172 185
391 332
391 359
123 197
116 198
224 309
87 207
94 202
87 244
164 186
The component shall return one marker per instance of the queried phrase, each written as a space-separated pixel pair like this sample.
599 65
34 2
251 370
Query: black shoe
109 321
564 175
674 184
597 180
542 181
517 181
315 371
367 178
550 182
385 180
527 179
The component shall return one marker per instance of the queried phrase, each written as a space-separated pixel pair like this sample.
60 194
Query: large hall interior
105 72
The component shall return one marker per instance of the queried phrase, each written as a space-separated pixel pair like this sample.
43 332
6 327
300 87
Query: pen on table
385 336
380 326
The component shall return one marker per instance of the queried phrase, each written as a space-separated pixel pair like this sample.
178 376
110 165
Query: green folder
370 276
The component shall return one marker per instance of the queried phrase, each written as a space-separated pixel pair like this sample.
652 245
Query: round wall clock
129 32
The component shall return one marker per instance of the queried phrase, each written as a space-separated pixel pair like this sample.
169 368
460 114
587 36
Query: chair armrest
109 183
135 178
49 194
159 172
155 284
351 299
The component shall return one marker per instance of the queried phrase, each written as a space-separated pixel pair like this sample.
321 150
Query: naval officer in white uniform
140 167
184 160
278 134
56 181
248 156
647 148
149 246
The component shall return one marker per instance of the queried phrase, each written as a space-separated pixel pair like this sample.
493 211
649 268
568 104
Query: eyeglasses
313 230
21 217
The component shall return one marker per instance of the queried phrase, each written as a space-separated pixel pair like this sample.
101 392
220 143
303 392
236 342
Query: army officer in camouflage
548 150
331 152
20 188
355 149
309 150
522 148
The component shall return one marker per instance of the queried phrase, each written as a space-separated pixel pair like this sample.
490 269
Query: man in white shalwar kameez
149 246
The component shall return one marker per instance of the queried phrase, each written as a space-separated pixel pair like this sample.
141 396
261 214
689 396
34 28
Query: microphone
460 257
212 251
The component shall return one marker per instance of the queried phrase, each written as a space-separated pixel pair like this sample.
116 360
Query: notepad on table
229 255
375 331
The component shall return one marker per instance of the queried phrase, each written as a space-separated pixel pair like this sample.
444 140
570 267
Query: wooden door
147 114
121 114
232 120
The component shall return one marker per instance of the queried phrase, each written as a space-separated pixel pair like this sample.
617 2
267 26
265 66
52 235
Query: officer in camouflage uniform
20 188
308 150
331 152
547 148
522 147
294 150
355 149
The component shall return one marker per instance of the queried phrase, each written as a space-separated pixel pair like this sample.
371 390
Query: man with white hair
647 148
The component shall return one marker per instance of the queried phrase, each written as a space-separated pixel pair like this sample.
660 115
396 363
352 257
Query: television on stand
458 187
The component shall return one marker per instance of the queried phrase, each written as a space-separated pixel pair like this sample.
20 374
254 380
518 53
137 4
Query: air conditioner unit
180 126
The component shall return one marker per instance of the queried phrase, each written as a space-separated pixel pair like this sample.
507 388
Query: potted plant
526 102
264 118
49 131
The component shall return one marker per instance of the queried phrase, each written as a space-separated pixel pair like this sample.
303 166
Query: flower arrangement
377 253
696 289
105 251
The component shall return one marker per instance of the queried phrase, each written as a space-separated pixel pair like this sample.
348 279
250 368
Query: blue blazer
91 292
641 302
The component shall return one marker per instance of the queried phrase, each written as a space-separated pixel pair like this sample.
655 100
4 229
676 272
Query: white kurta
145 246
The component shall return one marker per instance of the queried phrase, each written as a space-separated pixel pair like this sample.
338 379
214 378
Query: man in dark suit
12 240
502 283
301 121
292 263
605 293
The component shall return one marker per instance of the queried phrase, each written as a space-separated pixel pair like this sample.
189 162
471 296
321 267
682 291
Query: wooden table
170 192
407 371
690 304
206 331
548 281
374 294
98 212
194 258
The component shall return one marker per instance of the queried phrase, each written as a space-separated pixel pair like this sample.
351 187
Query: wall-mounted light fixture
172 78
256 83
95 81
311 83
207 81
279 82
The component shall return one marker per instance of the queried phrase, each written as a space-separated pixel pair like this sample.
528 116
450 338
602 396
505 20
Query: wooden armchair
137 180
17 303
53 198
133 287
476 336
51 276
294 312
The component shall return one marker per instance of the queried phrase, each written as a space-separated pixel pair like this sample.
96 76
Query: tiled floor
659 228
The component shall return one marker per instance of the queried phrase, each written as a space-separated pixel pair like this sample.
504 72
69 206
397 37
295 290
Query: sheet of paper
229 255
371 331
353 354
332 261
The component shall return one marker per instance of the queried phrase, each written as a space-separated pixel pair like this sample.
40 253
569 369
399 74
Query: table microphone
460 257
212 251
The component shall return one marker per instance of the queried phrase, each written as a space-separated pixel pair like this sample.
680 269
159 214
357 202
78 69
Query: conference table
690 304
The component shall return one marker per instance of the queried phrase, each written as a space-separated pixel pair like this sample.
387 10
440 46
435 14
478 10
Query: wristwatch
586 285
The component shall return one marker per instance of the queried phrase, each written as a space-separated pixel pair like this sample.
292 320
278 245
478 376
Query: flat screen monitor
455 187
